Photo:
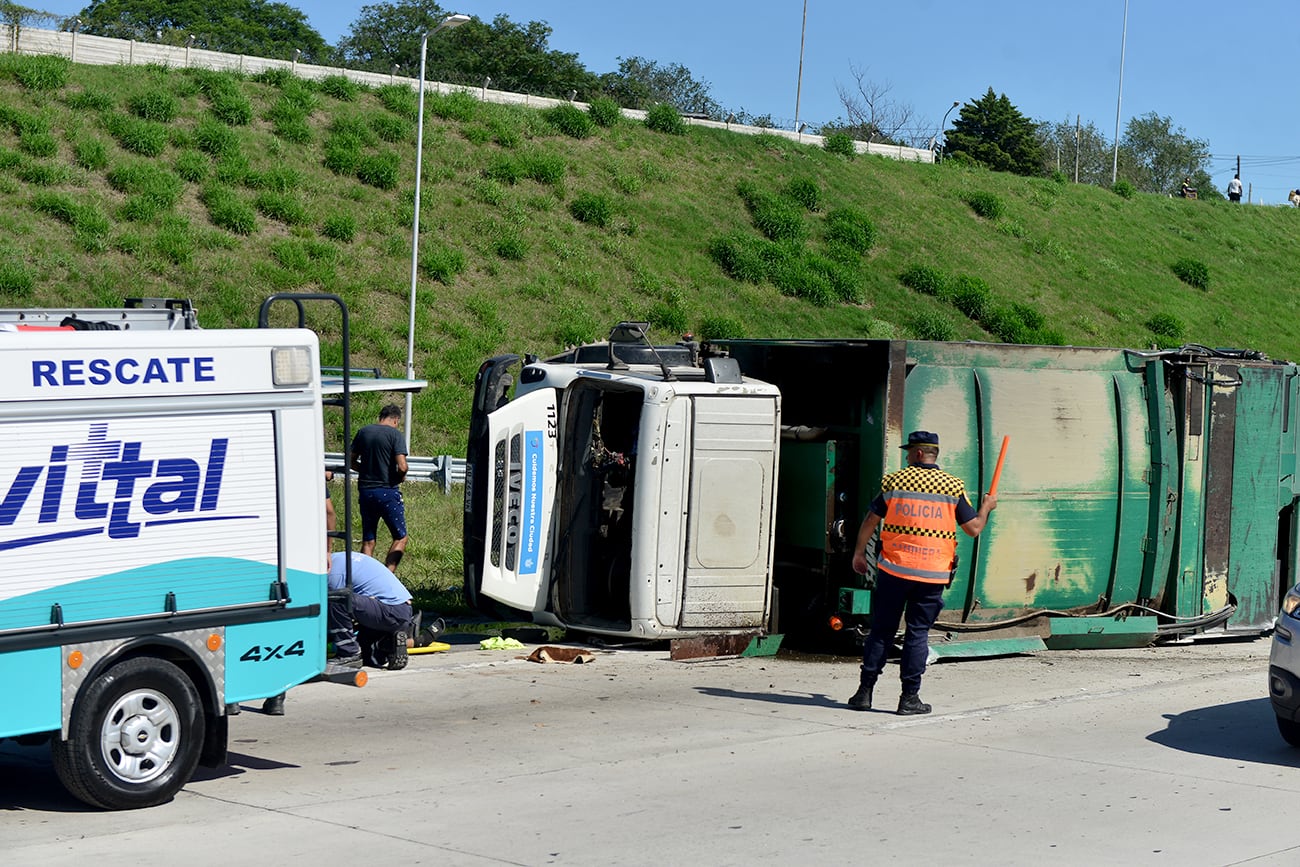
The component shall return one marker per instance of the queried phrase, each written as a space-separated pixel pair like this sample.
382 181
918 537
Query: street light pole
943 124
1123 40
453 20
798 87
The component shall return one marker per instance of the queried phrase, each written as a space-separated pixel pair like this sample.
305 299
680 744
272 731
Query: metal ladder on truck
341 383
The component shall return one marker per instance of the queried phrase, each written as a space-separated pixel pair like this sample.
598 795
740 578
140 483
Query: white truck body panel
158 483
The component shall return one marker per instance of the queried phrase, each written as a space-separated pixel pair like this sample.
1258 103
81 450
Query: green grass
314 190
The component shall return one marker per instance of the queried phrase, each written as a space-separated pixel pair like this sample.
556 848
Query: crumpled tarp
496 642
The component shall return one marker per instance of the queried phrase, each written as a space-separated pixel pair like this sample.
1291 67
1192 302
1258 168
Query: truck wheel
134 737
1290 731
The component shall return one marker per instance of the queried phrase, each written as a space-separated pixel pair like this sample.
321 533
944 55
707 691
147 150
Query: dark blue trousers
919 604
376 622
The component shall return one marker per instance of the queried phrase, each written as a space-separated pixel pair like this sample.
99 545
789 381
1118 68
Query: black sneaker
274 706
398 658
910 704
353 661
861 700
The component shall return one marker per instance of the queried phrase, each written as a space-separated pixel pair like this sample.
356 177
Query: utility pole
798 87
1119 100
1077 118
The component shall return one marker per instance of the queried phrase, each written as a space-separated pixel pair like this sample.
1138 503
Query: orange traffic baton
997 471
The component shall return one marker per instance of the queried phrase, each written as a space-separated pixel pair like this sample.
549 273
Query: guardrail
445 470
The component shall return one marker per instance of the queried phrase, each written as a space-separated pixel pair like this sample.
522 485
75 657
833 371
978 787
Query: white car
1284 668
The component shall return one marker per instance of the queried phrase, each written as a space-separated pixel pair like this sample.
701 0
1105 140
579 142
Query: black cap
921 438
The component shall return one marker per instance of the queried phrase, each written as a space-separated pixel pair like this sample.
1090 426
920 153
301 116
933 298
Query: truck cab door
520 499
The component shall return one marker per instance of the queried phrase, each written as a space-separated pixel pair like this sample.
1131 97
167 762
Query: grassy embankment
537 232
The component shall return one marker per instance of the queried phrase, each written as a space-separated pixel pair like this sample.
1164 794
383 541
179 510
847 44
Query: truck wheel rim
141 736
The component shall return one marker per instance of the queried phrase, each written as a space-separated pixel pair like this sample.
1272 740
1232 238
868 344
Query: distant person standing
1234 189
379 457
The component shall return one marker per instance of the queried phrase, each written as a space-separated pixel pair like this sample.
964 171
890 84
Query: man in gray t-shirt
379 457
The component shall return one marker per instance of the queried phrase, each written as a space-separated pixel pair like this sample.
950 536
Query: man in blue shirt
381 608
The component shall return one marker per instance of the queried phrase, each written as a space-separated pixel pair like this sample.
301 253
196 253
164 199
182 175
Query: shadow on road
1241 730
236 764
27 781
810 699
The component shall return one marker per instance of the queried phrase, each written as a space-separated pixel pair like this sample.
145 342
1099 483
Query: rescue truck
162 531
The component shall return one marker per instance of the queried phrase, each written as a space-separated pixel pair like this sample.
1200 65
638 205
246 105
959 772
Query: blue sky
1221 71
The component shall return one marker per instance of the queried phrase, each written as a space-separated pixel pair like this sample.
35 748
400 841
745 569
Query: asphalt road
1152 756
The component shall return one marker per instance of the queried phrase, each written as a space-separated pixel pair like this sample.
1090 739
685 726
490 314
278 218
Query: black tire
1289 730
134 738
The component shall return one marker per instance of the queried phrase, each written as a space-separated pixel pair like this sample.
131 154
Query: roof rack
135 314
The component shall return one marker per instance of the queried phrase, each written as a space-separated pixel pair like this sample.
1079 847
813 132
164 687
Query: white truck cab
625 490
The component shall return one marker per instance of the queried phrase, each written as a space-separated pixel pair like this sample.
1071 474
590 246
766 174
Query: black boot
274 706
397 659
910 703
861 700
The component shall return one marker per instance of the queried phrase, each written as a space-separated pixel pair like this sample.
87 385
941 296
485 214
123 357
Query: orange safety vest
918 535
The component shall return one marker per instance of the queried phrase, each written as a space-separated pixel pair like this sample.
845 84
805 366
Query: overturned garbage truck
674 492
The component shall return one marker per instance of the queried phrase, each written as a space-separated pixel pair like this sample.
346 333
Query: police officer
918 511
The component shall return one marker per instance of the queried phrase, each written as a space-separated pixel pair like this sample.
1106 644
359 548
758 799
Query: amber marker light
214 642
836 623
75 659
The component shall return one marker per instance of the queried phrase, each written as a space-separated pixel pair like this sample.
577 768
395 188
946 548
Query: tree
388 33
992 132
1094 153
870 115
234 26
515 57
14 14
1158 156
640 83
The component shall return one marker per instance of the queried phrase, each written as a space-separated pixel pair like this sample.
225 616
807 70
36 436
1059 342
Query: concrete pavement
1152 756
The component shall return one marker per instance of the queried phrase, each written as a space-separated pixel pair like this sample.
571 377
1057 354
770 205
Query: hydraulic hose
1177 625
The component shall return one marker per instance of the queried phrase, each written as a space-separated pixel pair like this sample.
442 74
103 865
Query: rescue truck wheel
1289 730
134 737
